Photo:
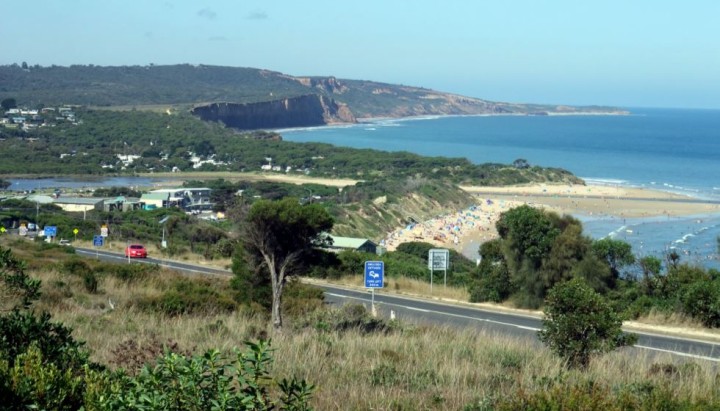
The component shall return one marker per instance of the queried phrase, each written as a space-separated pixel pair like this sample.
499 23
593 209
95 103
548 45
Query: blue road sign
98 241
50 231
374 274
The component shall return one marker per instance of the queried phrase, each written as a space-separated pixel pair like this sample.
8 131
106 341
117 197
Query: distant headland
249 98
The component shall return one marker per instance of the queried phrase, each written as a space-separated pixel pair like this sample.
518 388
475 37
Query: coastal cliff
302 111
247 98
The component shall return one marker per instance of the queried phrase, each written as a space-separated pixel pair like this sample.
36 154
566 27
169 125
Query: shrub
132 356
348 318
701 300
301 299
493 286
590 395
90 282
75 266
190 297
130 273
18 290
34 383
19 330
211 381
579 323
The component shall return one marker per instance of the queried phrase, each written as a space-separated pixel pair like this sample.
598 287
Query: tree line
165 142
537 250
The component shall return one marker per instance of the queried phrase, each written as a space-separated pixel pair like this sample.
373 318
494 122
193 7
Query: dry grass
655 317
406 286
414 368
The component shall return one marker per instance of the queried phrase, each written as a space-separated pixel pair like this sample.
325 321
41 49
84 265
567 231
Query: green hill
186 85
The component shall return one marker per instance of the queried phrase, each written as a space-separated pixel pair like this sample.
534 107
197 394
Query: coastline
364 121
465 230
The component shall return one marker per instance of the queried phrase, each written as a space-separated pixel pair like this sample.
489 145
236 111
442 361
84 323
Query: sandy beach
475 225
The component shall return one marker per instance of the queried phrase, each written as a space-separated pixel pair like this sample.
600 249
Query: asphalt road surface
426 311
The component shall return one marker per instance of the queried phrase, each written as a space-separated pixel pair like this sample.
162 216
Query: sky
628 53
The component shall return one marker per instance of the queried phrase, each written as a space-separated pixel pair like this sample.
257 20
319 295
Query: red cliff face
302 111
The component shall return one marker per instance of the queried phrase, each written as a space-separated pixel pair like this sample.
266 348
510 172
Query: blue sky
631 53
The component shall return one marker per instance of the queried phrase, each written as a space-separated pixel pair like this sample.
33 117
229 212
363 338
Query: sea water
665 149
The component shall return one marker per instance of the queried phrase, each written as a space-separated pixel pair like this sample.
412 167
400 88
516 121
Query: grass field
396 366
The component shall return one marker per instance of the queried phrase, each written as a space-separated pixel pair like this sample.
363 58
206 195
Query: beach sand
468 229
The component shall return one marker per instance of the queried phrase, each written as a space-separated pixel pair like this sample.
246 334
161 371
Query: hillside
189 86
380 207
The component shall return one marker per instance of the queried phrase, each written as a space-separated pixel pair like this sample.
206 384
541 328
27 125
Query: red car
136 251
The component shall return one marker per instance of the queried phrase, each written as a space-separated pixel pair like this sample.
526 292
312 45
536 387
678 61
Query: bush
591 395
701 300
211 381
493 286
54 341
190 297
31 382
132 356
74 266
130 273
348 318
301 299
90 282
579 323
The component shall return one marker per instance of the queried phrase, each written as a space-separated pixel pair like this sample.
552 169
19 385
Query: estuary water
76 183
667 149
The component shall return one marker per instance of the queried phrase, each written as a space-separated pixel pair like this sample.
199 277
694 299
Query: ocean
665 149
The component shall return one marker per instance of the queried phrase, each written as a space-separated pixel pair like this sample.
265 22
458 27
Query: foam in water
669 150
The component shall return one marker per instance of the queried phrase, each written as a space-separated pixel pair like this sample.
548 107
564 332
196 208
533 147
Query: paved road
175 265
518 325
434 312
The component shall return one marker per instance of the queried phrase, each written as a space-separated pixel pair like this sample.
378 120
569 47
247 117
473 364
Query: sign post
76 231
438 259
374 278
98 241
51 232
104 232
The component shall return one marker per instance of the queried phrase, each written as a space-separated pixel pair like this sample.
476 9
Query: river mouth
85 183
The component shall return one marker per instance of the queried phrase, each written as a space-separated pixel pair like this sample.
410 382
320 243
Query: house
122 203
154 200
350 243
187 198
79 204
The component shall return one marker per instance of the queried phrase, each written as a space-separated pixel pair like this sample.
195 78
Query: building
155 200
122 203
186 198
355 244
79 204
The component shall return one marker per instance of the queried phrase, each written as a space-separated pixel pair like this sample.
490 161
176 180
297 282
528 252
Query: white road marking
699 357
467 317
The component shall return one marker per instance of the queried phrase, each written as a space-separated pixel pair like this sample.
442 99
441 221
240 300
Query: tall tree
8 103
617 253
281 234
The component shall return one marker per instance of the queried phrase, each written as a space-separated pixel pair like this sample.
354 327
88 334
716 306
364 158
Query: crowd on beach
453 229
465 230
